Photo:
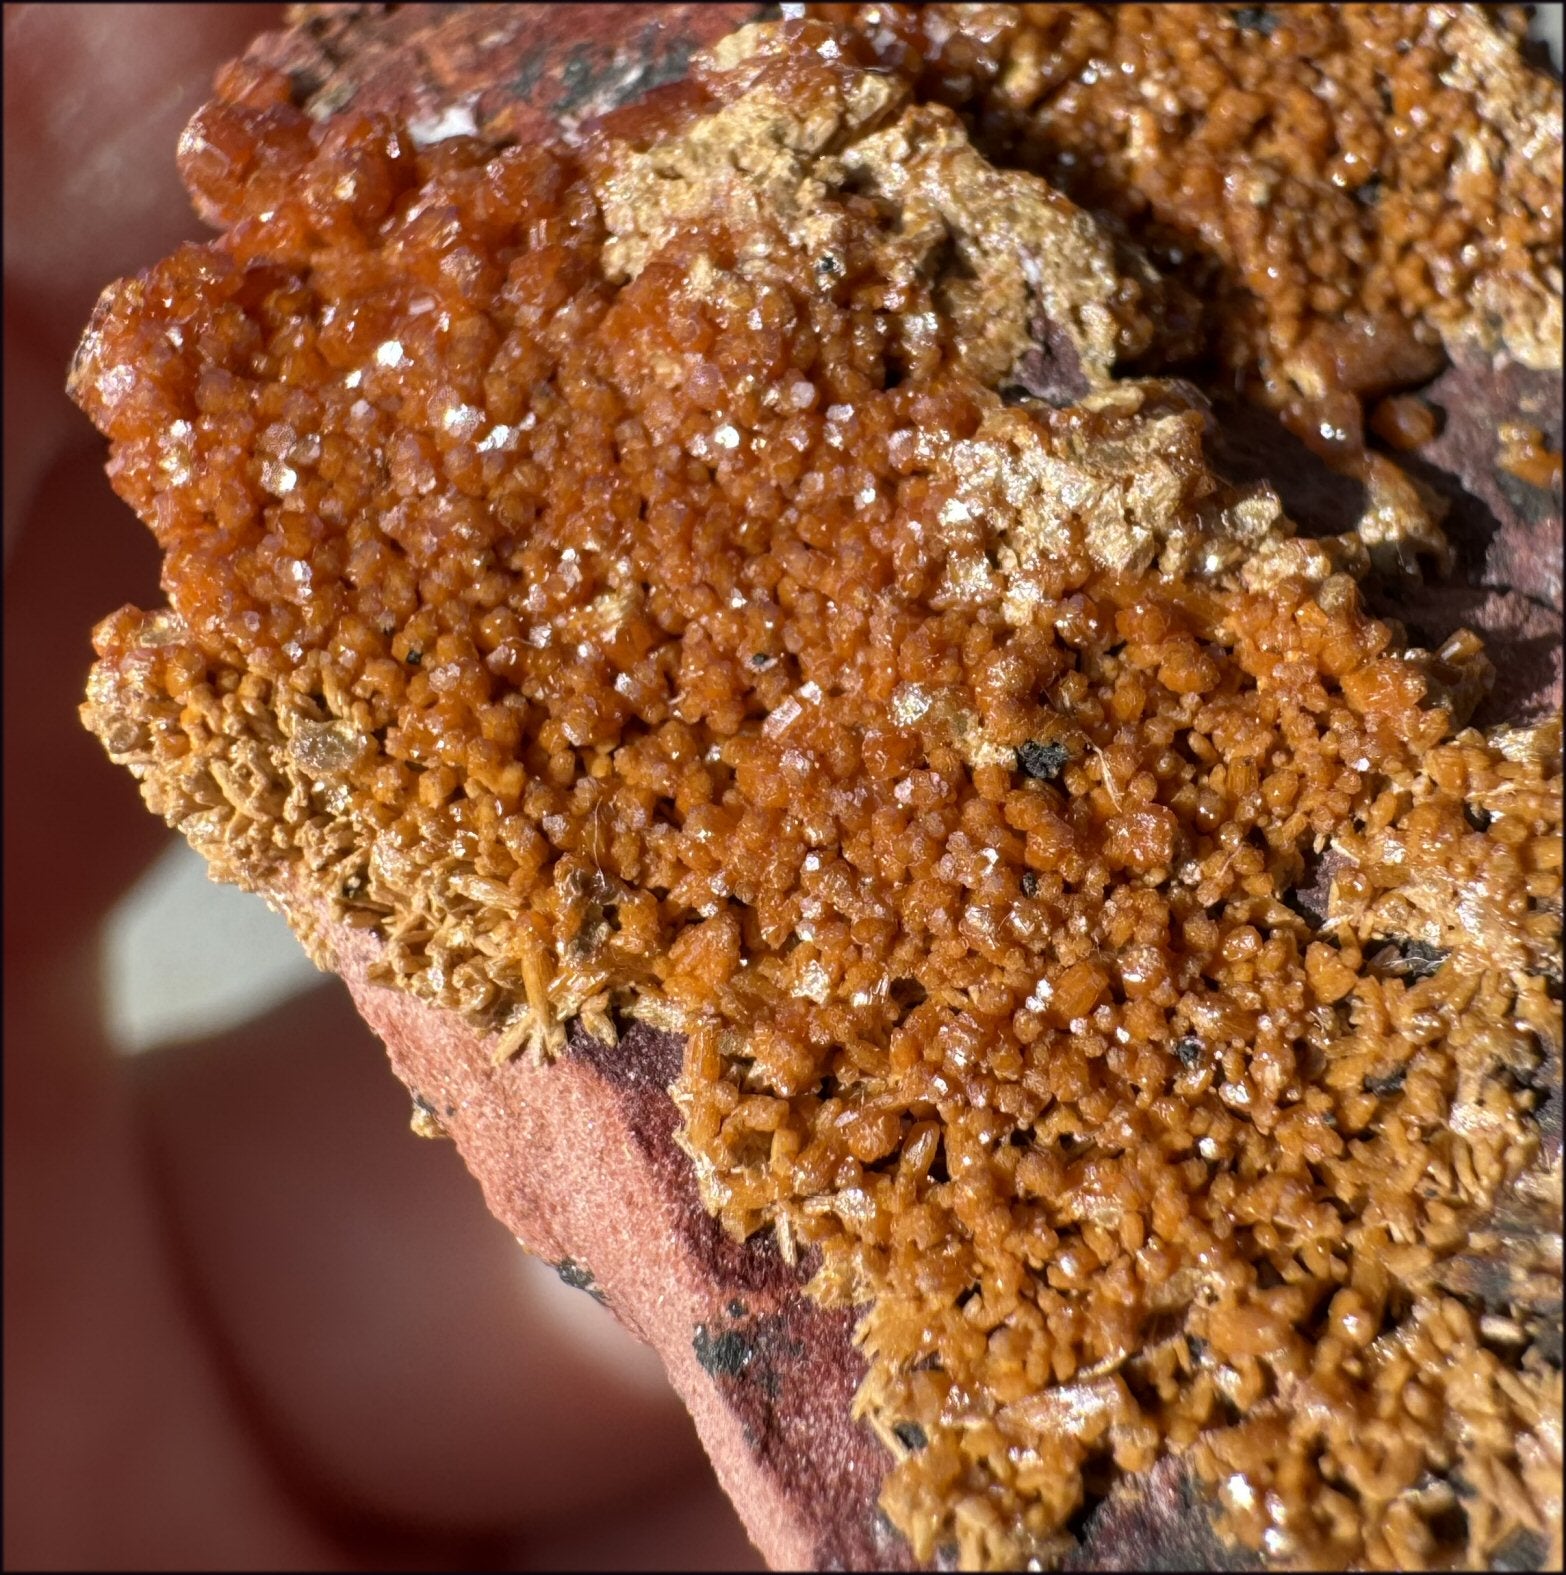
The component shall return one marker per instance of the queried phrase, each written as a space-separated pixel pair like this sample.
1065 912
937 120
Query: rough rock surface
498 71
578 1158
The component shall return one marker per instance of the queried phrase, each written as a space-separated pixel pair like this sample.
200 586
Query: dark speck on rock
580 1278
1256 19
1523 1550
1042 761
1189 1051
1388 1082
1051 367
910 1435
1368 194
1547 1343
727 1353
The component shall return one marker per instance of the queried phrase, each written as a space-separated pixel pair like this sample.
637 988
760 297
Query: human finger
393 1341
95 98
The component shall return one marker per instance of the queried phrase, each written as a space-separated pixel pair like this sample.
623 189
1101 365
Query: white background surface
185 956
1547 25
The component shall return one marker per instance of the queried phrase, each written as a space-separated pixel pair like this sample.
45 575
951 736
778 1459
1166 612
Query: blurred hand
250 1320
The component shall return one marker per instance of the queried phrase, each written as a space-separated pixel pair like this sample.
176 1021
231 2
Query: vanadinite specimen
710 571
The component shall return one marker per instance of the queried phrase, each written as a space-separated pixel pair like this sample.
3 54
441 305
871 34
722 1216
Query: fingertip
76 833
95 98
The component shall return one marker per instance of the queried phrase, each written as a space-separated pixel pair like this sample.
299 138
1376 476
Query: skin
250 1322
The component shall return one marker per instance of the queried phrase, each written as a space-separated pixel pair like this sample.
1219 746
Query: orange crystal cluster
1342 186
